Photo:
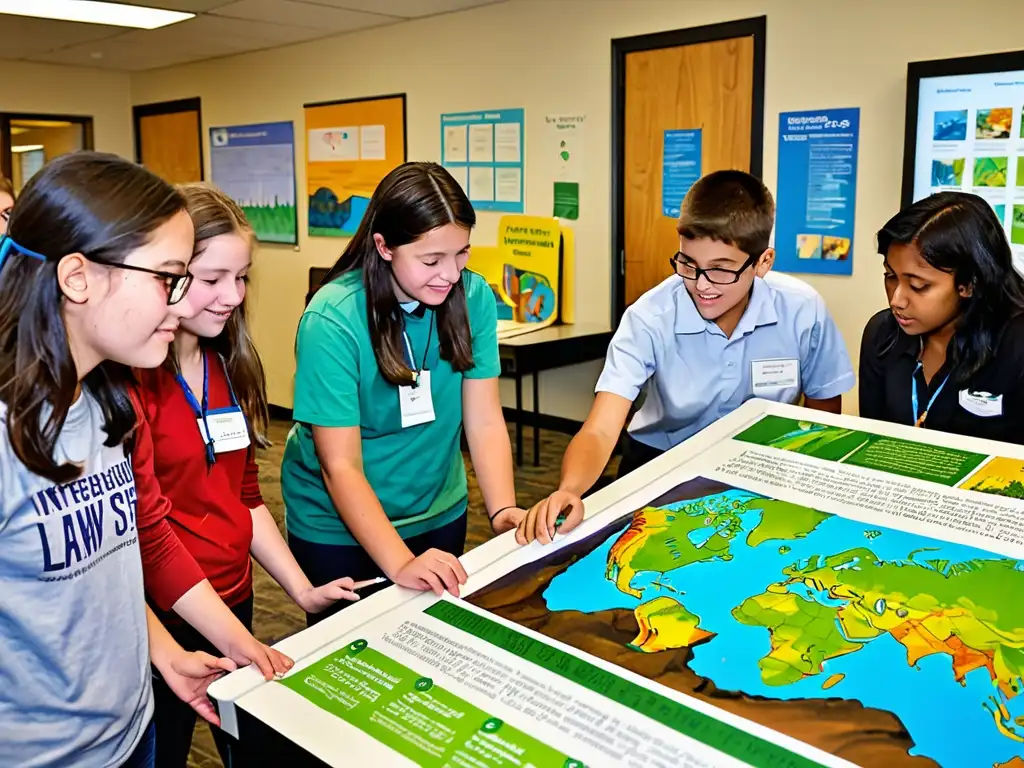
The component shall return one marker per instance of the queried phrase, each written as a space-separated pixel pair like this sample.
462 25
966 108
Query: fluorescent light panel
17 148
93 12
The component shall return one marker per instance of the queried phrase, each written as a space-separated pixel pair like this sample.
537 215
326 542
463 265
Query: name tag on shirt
228 429
416 402
981 403
774 374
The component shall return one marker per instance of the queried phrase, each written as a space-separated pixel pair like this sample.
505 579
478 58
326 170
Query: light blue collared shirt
695 375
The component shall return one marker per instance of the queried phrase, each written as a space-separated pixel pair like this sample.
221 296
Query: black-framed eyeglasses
716 275
5 214
177 285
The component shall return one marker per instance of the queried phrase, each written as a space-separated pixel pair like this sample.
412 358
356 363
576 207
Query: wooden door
706 85
168 140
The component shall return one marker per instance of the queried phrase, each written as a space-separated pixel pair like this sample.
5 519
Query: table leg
519 419
536 417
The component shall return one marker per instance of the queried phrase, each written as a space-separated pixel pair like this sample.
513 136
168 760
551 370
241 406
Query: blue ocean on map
878 675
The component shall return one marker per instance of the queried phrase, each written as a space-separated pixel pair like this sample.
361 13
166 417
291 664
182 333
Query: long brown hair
409 202
214 214
102 207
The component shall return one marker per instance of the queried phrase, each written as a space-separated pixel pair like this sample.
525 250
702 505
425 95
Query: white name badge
416 402
981 403
228 429
774 374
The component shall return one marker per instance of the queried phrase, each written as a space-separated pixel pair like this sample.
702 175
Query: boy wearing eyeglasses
719 331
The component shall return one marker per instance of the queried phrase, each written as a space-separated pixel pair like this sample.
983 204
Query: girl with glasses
201 515
6 203
92 273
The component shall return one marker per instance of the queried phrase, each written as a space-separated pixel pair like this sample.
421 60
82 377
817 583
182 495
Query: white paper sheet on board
481 143
481 183
507 185
507 146
372 142
333 144
461 174
455 144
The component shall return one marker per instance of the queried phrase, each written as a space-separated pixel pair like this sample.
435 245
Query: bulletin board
255 165
350 146
484 152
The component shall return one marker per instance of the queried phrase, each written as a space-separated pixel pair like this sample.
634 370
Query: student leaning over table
201 515
395 354
92 274
720 330
948 353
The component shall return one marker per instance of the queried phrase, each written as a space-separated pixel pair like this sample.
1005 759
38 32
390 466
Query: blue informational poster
255 166
680 168
484 152
817 191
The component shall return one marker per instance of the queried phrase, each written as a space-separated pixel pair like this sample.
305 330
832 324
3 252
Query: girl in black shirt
948 354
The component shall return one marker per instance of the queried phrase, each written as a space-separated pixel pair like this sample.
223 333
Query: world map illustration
865 641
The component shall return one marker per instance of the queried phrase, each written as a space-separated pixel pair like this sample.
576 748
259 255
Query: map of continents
786 602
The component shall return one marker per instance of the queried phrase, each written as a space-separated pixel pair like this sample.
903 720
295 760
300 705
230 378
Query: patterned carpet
276 616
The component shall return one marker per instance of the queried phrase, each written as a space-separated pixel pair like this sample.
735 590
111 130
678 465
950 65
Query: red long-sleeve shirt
194 521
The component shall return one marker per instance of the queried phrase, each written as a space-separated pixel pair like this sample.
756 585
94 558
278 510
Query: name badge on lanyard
224 429
227 428
416 401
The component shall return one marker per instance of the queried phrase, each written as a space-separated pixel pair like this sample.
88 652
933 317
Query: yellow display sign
524 269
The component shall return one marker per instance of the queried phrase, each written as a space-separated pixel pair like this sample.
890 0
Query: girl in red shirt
200 511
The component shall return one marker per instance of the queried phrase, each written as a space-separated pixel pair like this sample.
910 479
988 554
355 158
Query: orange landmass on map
920 642
833 680
1014 762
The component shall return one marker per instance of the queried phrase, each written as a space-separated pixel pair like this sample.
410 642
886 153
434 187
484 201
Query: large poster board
786 588
484 152
350 146
255 166
965 131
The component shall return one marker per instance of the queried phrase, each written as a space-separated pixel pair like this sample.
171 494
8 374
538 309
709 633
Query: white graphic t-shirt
75 686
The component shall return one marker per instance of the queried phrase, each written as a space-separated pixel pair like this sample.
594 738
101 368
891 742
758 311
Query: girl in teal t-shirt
395 354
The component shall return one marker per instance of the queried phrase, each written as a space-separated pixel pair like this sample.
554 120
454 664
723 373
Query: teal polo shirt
417 472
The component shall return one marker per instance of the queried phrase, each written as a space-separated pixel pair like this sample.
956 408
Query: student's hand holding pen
561 511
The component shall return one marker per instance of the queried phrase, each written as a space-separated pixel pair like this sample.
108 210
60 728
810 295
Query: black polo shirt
990 404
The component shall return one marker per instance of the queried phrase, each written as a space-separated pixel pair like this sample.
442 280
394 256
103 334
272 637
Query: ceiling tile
189 6
23 36
221 33
122 58
302 14
409 9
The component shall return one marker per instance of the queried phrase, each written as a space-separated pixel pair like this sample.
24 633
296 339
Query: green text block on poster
907 458
726 738
408 713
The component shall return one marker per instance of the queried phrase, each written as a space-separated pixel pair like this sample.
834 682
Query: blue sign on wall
817 191
680 168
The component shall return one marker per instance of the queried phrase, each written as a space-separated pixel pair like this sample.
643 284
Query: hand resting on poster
560 512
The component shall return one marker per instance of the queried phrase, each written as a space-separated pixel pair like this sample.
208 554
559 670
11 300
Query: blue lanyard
202 410
409 356
919 420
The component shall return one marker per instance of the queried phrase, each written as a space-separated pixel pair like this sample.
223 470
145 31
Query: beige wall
46 89
555 55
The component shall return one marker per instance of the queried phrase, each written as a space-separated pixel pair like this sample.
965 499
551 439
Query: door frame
712 33
155 109
6 118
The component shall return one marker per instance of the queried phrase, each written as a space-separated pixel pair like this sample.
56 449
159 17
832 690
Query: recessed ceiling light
94 12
